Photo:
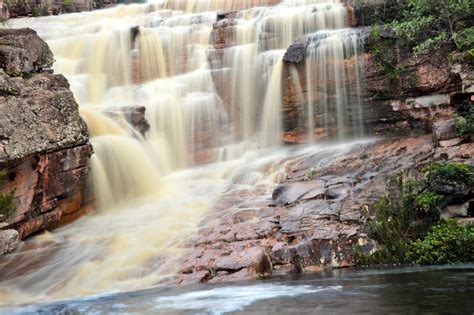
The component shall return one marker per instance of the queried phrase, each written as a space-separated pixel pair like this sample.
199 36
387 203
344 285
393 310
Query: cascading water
160 55
331 93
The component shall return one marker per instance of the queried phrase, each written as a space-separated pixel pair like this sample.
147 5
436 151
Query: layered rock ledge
309 222
44 144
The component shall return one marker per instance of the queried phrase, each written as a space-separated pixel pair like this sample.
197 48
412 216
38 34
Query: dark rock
337 192
297 51
133 114
286 194
226 15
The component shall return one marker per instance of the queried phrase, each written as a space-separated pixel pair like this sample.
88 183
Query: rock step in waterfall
206 100
166 60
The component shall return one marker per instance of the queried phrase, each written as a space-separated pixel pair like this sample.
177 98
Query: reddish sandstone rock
312 220
44 145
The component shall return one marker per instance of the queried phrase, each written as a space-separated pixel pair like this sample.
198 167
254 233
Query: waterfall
331 91
204 103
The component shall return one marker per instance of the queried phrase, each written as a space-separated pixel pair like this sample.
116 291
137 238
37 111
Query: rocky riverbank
313 220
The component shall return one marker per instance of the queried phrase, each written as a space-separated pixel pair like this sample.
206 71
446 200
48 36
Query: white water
149 196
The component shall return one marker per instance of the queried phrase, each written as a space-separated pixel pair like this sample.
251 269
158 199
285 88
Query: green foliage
410 209
454 174
429 24
68 3
386 56
465 124
445 243
7 205
465 40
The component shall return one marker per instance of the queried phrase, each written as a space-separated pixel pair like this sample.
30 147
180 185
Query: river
409 290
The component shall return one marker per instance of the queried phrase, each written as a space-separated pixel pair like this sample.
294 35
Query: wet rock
297 51
253 258
226 15
9 240
303 217
196 277
290 193
133 114
284 270
224 34
336 192
241 275
261 264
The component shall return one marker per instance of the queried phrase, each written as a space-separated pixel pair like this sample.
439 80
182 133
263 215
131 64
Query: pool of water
409 290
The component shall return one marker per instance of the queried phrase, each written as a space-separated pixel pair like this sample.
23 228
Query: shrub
410 209
445 243
465 124
429 24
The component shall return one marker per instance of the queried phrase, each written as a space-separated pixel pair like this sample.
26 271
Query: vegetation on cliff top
407 222
411 31
430 24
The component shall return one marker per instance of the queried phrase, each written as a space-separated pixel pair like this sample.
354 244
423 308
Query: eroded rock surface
309 222
44 145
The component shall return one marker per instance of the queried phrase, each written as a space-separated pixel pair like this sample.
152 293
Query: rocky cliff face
44 145
315 217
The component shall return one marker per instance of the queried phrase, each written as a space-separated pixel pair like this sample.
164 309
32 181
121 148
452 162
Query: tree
429 24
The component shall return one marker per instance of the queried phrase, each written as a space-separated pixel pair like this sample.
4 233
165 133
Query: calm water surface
413 290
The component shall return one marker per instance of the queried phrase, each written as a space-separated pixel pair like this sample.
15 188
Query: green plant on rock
7 205
410 209
446 243
68 3
465 124
452 174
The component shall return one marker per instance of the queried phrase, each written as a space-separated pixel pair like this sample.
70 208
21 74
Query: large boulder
296 53
23 51
445 133
39 115
44 144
